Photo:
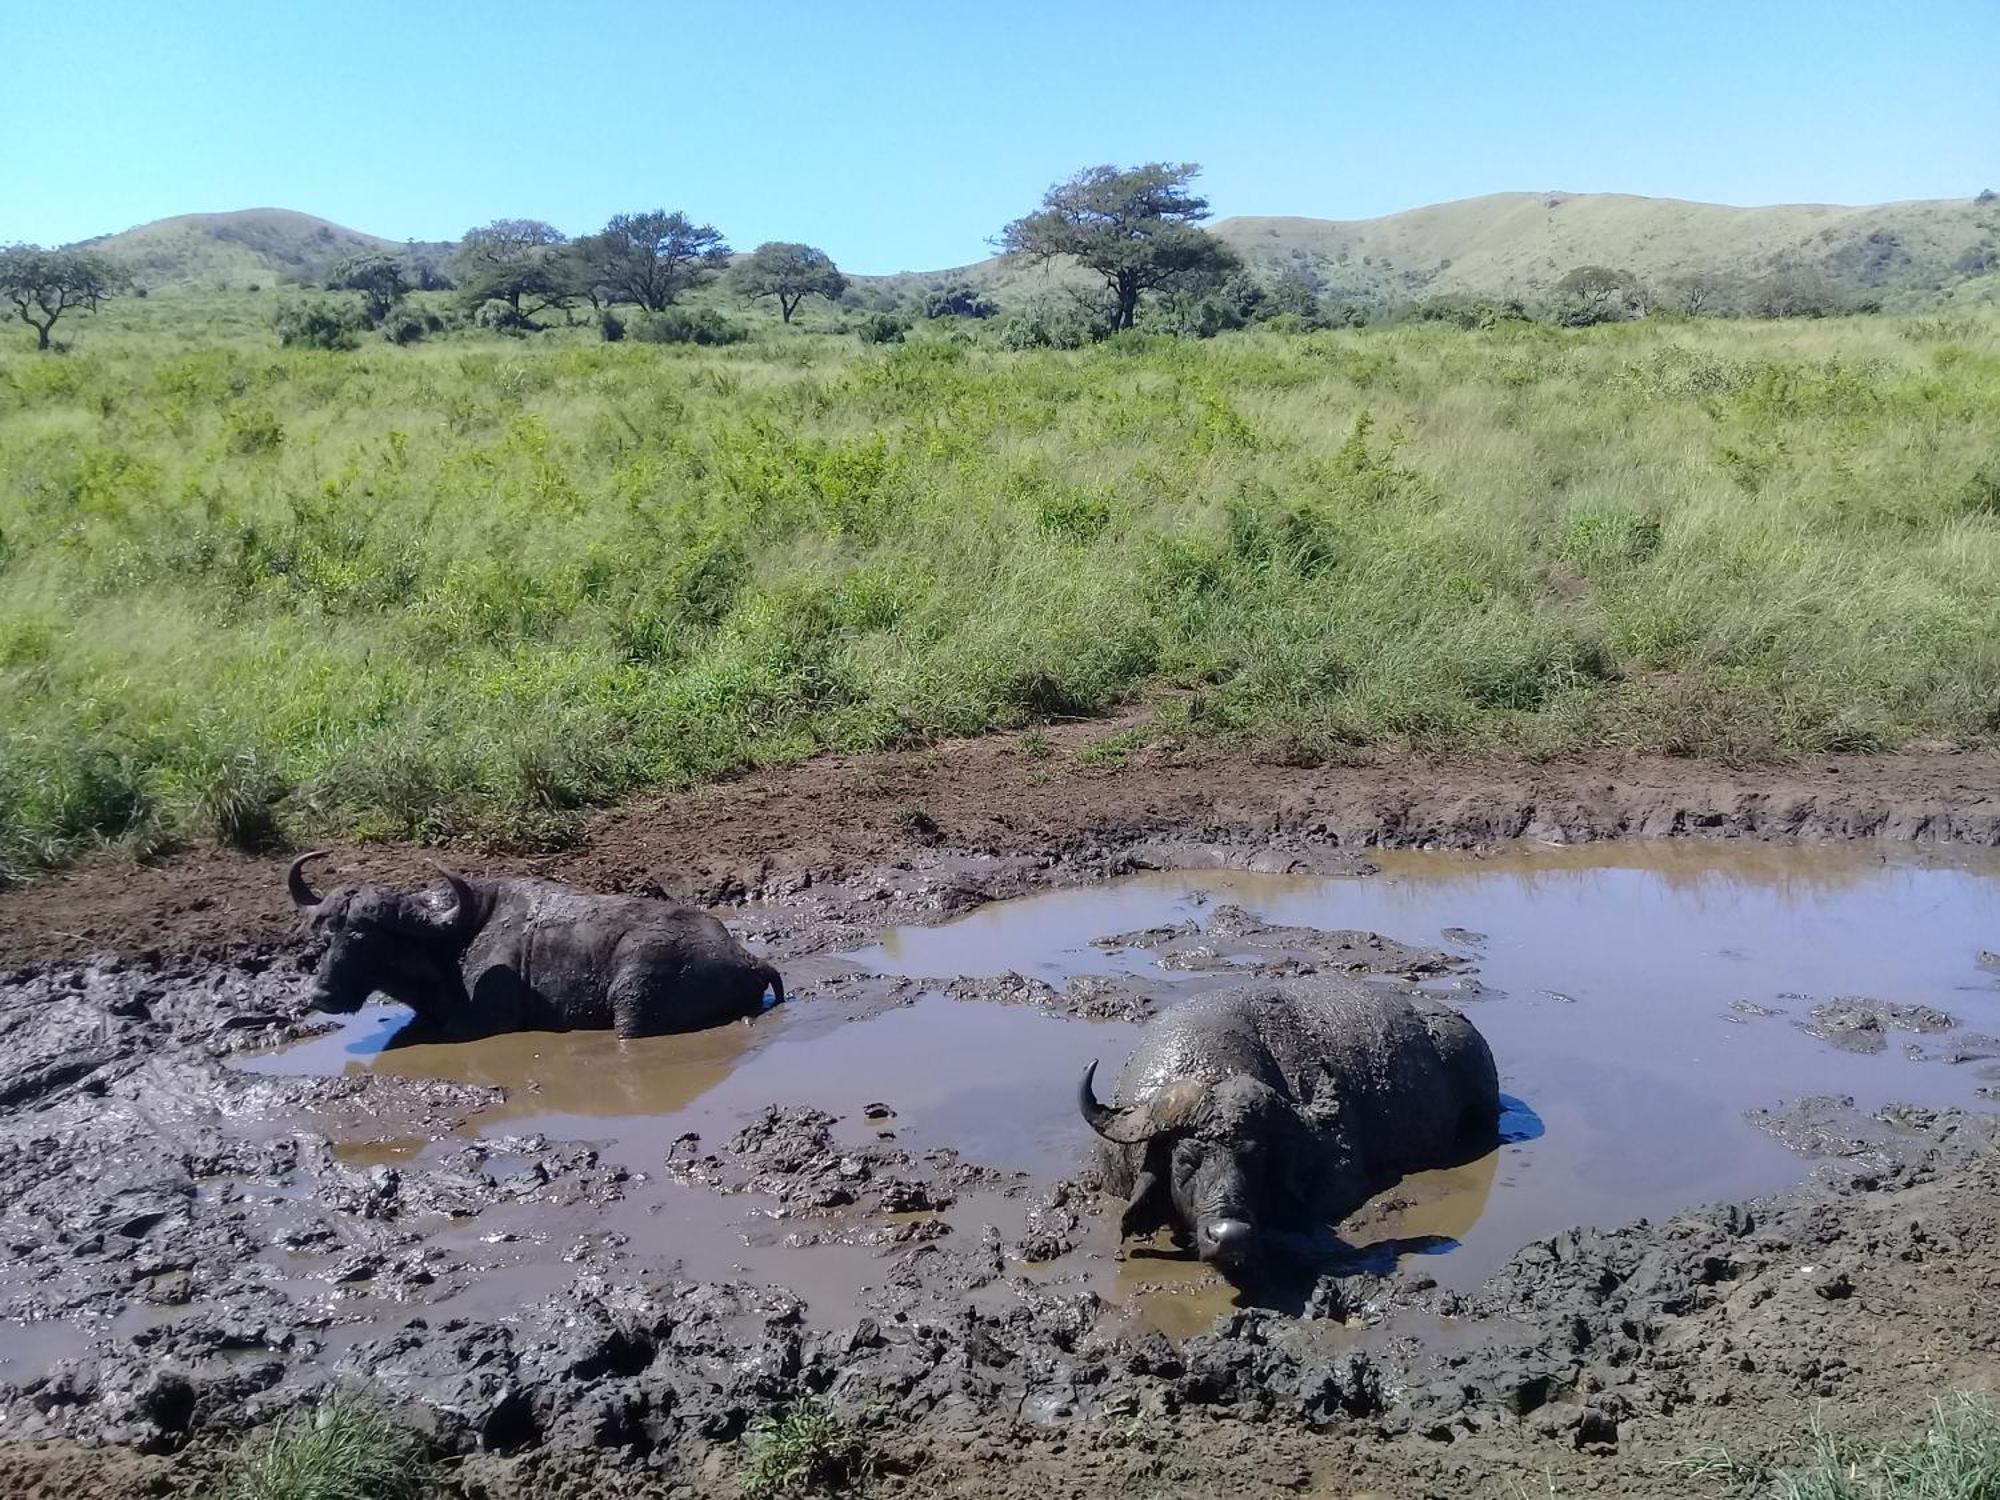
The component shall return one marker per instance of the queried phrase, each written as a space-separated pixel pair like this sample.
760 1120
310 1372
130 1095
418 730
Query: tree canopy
379 277
652 258
516 262
1136 227
791 273
45 284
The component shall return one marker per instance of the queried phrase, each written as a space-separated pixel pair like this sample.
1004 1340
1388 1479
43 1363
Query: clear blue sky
902 136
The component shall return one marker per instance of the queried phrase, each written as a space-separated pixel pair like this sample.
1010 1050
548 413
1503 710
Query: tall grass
344 1451
466 590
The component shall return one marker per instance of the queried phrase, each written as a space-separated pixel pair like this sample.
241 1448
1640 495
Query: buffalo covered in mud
486 956
1285 1106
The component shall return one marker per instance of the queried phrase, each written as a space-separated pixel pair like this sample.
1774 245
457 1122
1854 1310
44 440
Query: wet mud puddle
1642 1001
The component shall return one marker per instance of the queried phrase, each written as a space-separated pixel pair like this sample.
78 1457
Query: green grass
1956 1458
343 1451
469 589
806 1451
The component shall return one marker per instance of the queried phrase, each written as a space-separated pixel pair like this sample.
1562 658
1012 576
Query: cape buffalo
1288 1105
512 954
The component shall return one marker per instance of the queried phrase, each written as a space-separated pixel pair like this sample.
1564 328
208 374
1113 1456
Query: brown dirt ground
995 796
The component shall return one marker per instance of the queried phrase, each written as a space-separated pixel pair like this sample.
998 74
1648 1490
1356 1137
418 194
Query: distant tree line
1129 241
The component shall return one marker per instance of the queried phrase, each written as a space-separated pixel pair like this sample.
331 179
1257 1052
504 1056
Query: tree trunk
1128 305
42 333
785 307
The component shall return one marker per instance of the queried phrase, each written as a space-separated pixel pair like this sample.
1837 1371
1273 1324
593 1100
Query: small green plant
1112 750
345 1450
916 823
254 429
1035 745
807 1450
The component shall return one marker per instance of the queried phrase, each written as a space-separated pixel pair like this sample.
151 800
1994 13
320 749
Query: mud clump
790 1156
1855 1024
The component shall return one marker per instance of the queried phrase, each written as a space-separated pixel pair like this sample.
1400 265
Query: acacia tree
652 258
789 272
1598 291
515 261
379 278
45 284
1136 227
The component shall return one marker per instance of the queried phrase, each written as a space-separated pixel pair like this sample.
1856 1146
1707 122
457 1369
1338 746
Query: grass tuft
342 1451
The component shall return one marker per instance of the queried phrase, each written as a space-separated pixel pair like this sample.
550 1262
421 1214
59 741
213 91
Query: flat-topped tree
518 262
789 272
45 284
652 258
1136 227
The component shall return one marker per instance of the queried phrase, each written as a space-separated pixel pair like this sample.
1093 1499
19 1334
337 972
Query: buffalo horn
304 897
465 907
1101 1118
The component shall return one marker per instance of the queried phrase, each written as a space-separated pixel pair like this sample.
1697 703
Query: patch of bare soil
774 832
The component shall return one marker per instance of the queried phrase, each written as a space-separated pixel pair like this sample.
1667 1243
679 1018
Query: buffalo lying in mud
513 954
1287 1106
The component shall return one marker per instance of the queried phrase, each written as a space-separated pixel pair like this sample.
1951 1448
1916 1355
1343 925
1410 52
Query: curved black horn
303 895
1099 1117
465 906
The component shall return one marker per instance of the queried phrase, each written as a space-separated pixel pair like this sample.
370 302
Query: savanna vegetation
406 572
465 589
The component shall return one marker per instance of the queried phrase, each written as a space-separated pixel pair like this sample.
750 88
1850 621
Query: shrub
501 317
254 429
958 300
321 323
882 328
409 325
1047 328
680 325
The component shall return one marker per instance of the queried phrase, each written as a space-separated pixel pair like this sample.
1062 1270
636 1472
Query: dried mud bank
836 819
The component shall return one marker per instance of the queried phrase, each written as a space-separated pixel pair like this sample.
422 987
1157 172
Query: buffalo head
1213 1160
406 946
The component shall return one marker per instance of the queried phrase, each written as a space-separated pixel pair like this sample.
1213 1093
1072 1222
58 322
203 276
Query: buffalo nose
1229 1238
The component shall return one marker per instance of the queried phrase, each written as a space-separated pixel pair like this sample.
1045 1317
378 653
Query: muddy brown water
1640 1000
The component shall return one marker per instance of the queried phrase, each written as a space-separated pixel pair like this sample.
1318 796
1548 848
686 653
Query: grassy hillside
1520 244
466 589
233 251
1504 244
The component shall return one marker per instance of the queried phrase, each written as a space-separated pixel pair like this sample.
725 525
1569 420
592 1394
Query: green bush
410 325
1046 327
320 323
680 325
882 328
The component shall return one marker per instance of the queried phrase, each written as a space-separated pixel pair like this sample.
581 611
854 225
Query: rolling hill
1502 244
1520 244
231 251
